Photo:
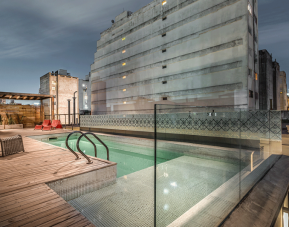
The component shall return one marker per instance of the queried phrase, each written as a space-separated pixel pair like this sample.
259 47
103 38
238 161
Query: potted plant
1 122
11 122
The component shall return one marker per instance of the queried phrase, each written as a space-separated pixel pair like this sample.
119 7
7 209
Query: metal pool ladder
80 151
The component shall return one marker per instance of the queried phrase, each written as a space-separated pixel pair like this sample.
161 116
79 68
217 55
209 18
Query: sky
40 36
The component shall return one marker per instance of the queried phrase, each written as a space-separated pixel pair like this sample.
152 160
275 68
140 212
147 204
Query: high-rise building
202 53
63 87
283 91
84 95
272 83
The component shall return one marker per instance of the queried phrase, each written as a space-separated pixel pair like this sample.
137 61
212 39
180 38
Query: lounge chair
44 124
55 124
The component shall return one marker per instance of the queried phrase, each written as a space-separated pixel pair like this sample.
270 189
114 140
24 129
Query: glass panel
214 157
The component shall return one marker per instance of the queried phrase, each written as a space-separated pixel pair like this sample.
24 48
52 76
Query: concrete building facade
62 86
84 95
197 52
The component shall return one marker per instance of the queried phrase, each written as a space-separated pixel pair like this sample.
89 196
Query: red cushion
46 128
38 127
46 122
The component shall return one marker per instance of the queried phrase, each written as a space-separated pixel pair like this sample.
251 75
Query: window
123 89
123 38
164 66
250 72
164 18
165 82
256 19
256 95
251 94
250 9
164 2
165 98
53 88
165 50
250 30
124 77
256 76
123 64
54 82
123 51
165 34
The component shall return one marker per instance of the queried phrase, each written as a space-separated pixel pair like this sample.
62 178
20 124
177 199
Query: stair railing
84 135
77 145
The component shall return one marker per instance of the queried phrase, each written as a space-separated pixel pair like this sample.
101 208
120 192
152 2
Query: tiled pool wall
73 187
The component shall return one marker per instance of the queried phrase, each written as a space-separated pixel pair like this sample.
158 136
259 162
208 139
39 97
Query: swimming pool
130 157
189 177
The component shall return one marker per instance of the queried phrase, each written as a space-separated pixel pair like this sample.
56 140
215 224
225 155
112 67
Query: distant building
201 53
2 101
283 91
62 86
272 83
84 95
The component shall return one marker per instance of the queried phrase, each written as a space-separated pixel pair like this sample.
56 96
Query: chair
55 124
44 124
11 145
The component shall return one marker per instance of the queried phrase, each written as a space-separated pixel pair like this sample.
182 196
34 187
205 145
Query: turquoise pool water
127 160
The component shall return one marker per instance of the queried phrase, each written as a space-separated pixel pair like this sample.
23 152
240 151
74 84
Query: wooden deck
25 199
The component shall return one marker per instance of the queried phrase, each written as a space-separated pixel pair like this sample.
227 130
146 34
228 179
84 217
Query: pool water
127 161
205 184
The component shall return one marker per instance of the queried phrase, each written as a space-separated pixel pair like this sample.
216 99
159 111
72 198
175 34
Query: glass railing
215 156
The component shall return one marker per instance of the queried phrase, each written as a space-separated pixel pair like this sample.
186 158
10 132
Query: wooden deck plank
21 192
28 208
46 212
25 199
83 222
20 199
71 215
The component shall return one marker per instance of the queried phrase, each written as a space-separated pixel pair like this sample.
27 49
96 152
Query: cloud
276 33
41 27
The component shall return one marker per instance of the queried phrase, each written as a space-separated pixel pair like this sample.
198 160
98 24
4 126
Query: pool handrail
84 155
96 137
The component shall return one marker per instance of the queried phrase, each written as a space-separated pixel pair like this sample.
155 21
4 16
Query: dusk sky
40 36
